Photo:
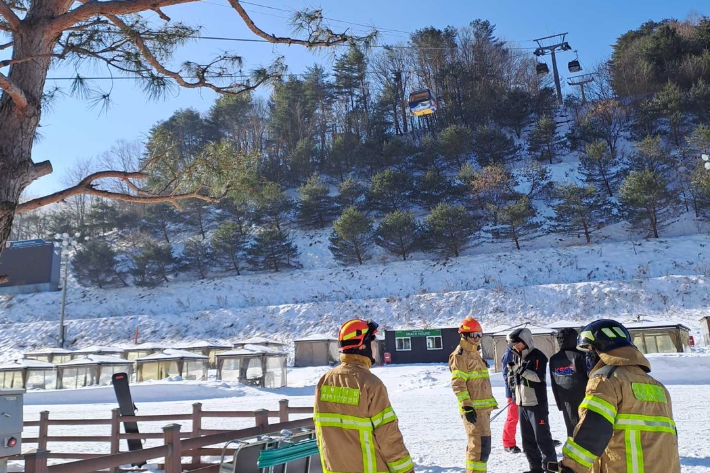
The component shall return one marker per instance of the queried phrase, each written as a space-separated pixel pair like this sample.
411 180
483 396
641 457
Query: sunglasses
477 334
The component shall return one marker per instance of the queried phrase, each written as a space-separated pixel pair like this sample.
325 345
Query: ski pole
501 411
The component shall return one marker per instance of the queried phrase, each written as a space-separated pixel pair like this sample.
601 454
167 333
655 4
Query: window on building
403 344
434 343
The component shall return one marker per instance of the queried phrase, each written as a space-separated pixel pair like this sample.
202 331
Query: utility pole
561 45
581 80
67 242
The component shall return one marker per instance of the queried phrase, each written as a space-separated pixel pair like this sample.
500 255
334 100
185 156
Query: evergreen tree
599 167
316 207
699 100
101 218
646 200
492 146
351 193
432 188
95 262
158 218
492 187
197 255
398 233
536 178
579 209
448 229
671 102
229 244
196 215
514 110
651 154
701 190
272 206
272 249
543 141
390 190
352 237
152 264
516 219
455 144
300 160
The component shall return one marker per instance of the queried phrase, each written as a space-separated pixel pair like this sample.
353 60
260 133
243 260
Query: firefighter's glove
470 414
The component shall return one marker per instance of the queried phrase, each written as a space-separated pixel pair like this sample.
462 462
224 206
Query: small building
170 363
91 370
134 352
705 329
98 350
28 374
254 365
31 266
421 346
261 341
207 349
652 336
543 338
50 355
316 350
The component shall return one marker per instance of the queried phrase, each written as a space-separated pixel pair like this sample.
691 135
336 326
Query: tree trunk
515 236
18 123
586 232
357 252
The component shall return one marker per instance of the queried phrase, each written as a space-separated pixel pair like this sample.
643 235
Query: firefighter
568 377
472 387
357 429
626 422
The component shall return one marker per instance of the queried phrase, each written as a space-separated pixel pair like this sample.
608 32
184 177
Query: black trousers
537 440
571 415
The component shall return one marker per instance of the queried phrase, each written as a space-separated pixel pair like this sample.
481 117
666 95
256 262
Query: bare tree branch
12 19
8 62
11 89
114 7
6 45
160 13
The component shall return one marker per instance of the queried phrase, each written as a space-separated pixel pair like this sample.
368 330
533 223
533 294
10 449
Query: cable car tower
542 50
581 81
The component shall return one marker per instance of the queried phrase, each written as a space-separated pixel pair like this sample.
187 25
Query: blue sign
27 243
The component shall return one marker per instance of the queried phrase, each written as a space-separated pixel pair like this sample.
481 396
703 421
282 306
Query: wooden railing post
43 429
261 419
36 461
283 410
196 430
173 460
115 444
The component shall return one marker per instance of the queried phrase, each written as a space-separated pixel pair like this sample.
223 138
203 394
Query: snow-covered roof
99 349
201 344
173 354
566 324
535 330
96 360
317 337
146 346
252 350
50 351
258 341
634 325
495 329
26 363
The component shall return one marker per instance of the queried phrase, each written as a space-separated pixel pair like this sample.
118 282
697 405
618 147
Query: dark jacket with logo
568 373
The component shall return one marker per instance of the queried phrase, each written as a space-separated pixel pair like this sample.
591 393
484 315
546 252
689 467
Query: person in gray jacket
527 375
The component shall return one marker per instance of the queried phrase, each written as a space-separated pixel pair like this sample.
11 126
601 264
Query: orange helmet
356 332
470 325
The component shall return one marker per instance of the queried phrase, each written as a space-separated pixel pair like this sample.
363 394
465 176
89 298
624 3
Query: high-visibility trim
620 332
369 459
476 466
458 374
586 334
482 403
340 395
634 451
384 417
463 395
645 423
342 421
608 332
649 392
600 406
579 454
405 464
477 374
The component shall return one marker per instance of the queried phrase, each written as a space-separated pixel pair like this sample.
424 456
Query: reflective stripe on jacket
626 420
469 378
357 428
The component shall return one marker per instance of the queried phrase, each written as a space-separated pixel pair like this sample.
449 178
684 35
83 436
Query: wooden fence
176 443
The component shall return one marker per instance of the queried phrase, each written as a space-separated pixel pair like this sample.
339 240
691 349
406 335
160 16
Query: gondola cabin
574 66
422 102
542 69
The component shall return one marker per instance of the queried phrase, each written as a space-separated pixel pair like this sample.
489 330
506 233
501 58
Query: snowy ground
421 396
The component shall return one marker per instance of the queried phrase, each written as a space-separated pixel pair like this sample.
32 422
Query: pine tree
398 233
197 255
599 167
514 110
433 188
351 194
316 207
455 143
101 218
229 244
390 190
492 146
196 215
448 229
152 264
272 206
646 199
652 155
516 217
579 209
492 187
543 141
272 249
352 237
158 219
95 262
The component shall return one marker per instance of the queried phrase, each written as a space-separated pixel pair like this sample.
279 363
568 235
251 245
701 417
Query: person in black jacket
527 375
568 377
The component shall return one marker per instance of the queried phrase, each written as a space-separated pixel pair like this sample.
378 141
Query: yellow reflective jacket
469 378
357 429
626 420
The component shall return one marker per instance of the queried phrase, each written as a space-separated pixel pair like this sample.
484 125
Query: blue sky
71 130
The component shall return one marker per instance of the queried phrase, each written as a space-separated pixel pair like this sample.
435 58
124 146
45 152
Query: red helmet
470 325
356 332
